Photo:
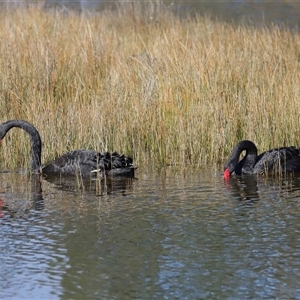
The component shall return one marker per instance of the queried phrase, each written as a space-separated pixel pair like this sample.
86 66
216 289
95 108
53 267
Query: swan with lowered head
278 160
78 162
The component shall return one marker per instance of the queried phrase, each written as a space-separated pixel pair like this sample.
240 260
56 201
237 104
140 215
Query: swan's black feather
77 162
277 160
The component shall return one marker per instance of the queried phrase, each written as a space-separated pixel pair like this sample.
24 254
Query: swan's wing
277 160
80 162
116 164
293 165
87 162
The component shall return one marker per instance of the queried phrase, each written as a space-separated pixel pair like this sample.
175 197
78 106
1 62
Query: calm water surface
161 236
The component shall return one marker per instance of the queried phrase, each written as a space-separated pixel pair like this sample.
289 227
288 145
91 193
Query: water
161 236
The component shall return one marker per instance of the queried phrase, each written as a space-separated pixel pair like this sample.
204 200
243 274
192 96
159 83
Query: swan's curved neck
245 145
249 147
35 140
245 165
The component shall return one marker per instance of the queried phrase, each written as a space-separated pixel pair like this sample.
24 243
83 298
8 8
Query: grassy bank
144 82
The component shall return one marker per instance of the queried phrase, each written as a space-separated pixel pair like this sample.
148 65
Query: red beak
227 174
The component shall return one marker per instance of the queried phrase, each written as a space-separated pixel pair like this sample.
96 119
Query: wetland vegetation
164 89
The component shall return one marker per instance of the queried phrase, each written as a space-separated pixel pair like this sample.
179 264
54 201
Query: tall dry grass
147 83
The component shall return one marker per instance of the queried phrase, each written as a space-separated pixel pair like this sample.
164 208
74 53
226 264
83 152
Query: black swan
278 160
78 162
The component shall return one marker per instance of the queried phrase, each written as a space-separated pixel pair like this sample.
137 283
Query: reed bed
140 80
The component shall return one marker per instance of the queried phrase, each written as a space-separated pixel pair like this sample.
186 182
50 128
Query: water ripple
162 236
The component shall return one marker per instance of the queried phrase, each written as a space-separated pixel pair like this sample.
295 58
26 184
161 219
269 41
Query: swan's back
89 162
278 160
80 162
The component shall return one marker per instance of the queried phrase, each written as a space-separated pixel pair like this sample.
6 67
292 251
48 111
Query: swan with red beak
274 161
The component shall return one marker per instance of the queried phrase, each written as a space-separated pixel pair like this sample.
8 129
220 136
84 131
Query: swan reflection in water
29 191
97 186
243 188
251 188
